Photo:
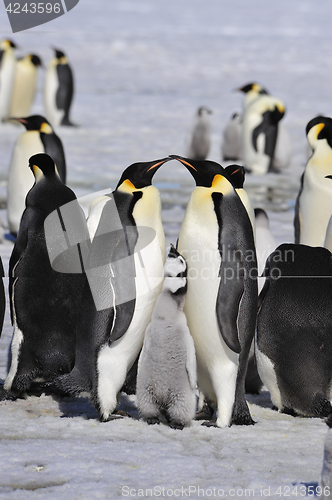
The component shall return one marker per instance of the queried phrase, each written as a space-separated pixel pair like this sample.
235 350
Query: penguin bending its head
313 207
166 379
44 302
39 137
217 241
200 137
59 90
124 279
25 83
293 344
7 73
259 133
272 151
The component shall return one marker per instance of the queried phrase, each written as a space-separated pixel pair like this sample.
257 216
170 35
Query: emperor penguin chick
166 379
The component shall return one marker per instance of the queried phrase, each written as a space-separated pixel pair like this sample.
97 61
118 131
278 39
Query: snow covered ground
142 68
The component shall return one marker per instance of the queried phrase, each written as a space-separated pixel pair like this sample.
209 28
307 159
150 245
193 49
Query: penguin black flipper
65 91
232 282
53 147
297 225
270 130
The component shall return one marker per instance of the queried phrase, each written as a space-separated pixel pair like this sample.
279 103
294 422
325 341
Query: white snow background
142 67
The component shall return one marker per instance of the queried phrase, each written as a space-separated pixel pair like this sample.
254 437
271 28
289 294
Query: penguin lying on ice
217 241
45 302
166 379
293 344
313 207
124 278
39 137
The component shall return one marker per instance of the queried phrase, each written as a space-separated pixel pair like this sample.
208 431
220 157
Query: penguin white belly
23 90
53 114
7 73
216 364
315 207
115 360
20 177
267 373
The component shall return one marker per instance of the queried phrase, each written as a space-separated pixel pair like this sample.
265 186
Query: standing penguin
231 146
259 133
38 138
166 378
25 83
217 241
200 137
293 344
59 90
281 156
124 279
7 74
313 207
44 302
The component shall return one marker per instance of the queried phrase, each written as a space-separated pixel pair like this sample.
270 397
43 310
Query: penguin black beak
328 176
159 163
184 161
20 120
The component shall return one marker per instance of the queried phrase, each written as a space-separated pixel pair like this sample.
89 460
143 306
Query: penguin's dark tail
73 383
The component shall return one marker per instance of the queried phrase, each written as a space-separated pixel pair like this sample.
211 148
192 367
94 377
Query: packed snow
141 71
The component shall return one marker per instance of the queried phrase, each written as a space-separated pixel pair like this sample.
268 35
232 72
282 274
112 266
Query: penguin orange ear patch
25 14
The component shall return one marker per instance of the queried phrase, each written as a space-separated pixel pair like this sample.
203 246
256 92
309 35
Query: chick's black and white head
175 272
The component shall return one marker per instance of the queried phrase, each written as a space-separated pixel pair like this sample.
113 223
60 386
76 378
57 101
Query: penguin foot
176 425
212 423
7 395
116 415
206 413
152 420
289 411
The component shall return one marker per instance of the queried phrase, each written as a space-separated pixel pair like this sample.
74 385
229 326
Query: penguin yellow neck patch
127 186
46 128
37 172
221 184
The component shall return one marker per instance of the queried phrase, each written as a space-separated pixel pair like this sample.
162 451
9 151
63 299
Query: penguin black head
322 130
42 165
58 53
35 122
175 272
256 87
8 43
203 171
204 110
139 175
236 175
36 60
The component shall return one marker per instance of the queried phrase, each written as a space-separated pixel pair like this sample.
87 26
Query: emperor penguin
59 90
199 142
166 378
39 137
7 74
217 241
25 84
259 133
293 344
277 143
313 207
124 279
46 280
